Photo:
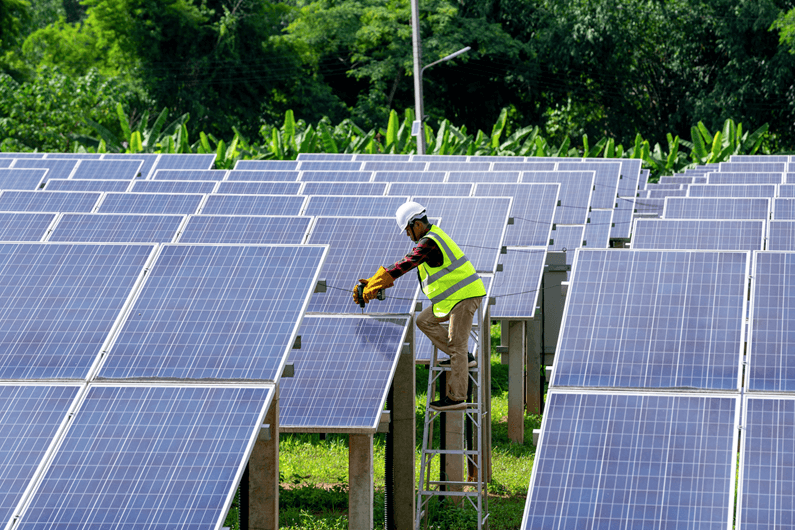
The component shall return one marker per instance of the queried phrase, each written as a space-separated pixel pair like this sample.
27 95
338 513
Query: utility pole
417 128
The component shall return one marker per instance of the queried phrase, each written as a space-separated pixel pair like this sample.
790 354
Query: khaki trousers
453 341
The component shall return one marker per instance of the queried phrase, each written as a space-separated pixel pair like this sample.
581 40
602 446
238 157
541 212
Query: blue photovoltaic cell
332 166
781 235
752 167
155 457
87 185
744 178
345 188
184 161
653 186
476 224
630 180
5 162
507 159
649 207
245 229
784 209
716 208
676 179
116 228
58 303
533 209
48 201
654 319
771 365
576 188
366 157
663 193
439 189
634 461
24 226
58 169
80 156
516 289
269 165
189 174
342 372
786 190
163 203
439 158
597 229
409 176
606 178
459 166
253 205
325 156
353 206
395 167
259 188
759 158
108 169
22 155
567 238
732 190
146 168
523 166
377 242
702 234
477 176
172 186
766 478
701 170
21 179
336 176
622 217
216 312
789 178
268 176
644 178
31 416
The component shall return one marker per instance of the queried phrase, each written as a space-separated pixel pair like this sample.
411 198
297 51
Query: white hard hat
408 212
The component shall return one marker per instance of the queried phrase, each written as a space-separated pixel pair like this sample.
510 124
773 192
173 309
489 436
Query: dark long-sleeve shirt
426 251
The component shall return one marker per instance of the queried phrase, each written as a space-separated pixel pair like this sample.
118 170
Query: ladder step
452 483
450 452
435 493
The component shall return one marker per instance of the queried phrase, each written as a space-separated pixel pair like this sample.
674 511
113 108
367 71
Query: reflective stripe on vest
456 276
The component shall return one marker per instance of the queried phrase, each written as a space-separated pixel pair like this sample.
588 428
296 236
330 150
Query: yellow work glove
380 280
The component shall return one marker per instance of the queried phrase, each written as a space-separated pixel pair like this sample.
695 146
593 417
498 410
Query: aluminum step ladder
473 444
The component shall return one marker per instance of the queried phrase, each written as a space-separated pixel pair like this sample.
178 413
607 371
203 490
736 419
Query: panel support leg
263 475
360 481
516 356
534 390
404 436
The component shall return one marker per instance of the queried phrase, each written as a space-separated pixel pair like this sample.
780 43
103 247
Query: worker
452 285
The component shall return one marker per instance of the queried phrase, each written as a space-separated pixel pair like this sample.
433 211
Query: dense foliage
608 69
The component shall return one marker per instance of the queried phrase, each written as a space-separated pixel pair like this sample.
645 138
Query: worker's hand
356 292
381 280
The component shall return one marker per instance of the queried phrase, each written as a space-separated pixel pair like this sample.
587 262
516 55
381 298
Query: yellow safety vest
453 281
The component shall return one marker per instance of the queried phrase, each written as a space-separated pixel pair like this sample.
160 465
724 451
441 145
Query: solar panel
32 416
22 155
516 289
48 201
59 302
184 161
752 167
622 217
377 242
501 158
654 319
216 312
606 179
189 174
6 162
116 228
441 189
365 157
353 205
75 156
644 178
245 229
732 190
766 482
150 457
439 158
745 178
332 166
173 186
58 169
108 169
634 461
649 207
253 205
523 166
409 176
759 158
459 166
781 235
325 156
477 176
343 371
267 165
786 190
770 362
336 176
532 211
259 188
399 167
21 179
654 186
597 229
630 180
24 226
789 178
784 209
146 168
163 203
476 224
567 238
702 234
86 185
661 194
716 208
345 188
268 176
676 179
701 170
575 193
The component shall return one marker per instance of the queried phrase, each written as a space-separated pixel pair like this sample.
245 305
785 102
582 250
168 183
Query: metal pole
417 127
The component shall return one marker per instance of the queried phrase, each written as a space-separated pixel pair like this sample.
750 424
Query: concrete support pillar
263 475
516 379
360 482
554 301
404 435
533 390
